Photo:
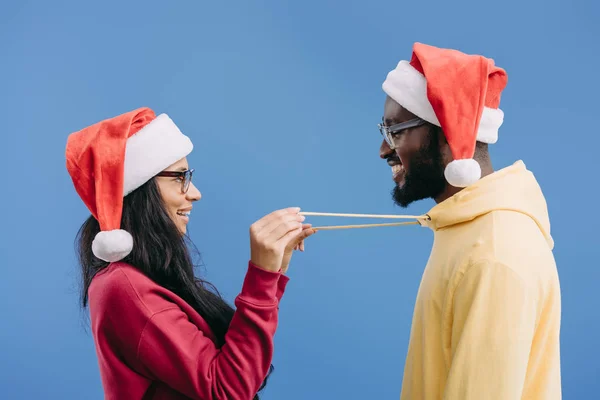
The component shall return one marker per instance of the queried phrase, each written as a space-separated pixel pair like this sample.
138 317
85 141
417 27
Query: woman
161 333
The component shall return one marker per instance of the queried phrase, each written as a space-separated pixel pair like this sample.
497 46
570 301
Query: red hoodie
153 345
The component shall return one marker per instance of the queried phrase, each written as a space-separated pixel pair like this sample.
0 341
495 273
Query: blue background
282 101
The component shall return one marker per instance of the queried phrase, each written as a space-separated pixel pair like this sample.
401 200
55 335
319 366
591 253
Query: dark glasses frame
185 175
388 131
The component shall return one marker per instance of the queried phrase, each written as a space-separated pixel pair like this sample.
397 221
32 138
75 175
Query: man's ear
444 146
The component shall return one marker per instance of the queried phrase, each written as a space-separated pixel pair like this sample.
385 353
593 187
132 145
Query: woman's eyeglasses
185 176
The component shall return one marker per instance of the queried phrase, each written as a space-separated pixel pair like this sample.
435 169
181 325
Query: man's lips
398 172
397 169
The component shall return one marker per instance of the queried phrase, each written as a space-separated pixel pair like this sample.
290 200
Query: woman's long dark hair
162 254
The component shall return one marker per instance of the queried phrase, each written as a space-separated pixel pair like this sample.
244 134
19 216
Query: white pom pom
112 245
462 173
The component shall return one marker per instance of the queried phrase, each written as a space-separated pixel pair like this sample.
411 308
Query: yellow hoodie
487 316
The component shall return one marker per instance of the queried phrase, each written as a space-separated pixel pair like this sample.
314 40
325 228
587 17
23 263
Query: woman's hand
296 244
272 235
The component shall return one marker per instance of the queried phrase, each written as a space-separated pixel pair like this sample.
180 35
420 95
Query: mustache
392 159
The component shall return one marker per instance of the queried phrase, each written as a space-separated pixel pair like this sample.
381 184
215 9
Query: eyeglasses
185 176
388 132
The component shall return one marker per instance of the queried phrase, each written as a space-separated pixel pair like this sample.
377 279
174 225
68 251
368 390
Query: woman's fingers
271 218
278 228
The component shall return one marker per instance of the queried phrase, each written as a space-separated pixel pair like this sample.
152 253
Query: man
487 315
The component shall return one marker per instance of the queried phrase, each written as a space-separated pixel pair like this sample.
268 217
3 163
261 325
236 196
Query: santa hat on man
459 93
112 158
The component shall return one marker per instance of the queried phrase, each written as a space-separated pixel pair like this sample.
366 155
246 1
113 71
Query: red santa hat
459 93
112 158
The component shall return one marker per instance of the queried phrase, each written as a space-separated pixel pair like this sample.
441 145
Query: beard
426 178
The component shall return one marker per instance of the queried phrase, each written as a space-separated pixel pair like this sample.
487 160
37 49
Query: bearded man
487 316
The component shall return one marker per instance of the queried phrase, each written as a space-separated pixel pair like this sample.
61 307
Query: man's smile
398 170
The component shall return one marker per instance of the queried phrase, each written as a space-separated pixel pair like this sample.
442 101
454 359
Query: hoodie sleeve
492 331
281 284
176 352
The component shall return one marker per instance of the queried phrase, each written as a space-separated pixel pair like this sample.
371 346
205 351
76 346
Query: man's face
417 162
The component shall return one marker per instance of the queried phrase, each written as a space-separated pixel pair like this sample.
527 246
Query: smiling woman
178 203
160 332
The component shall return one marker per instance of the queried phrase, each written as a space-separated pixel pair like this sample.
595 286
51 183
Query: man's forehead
394 113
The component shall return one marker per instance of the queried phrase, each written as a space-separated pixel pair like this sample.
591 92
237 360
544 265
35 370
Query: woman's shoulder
123 286
119 272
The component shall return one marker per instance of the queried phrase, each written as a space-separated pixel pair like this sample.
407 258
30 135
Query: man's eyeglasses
185 176
388 132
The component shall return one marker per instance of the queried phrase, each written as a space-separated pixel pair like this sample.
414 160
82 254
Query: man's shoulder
512 232
535 266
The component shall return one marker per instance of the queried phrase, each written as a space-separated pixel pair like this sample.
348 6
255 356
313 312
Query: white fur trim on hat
462 173
112 246
408 87
152 149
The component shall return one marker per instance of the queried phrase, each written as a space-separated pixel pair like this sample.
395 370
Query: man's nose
384 150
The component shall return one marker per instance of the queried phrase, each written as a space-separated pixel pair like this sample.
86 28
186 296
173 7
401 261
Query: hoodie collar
513 188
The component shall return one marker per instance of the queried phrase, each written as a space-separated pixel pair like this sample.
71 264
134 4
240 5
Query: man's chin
401 197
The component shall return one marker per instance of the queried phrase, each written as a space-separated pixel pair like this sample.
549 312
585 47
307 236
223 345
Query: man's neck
449 191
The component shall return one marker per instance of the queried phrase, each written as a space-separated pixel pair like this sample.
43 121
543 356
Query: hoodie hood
511 189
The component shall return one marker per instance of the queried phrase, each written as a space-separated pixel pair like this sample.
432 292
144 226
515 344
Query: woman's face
177 203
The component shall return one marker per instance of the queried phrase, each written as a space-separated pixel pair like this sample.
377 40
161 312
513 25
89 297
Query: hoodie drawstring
418 219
